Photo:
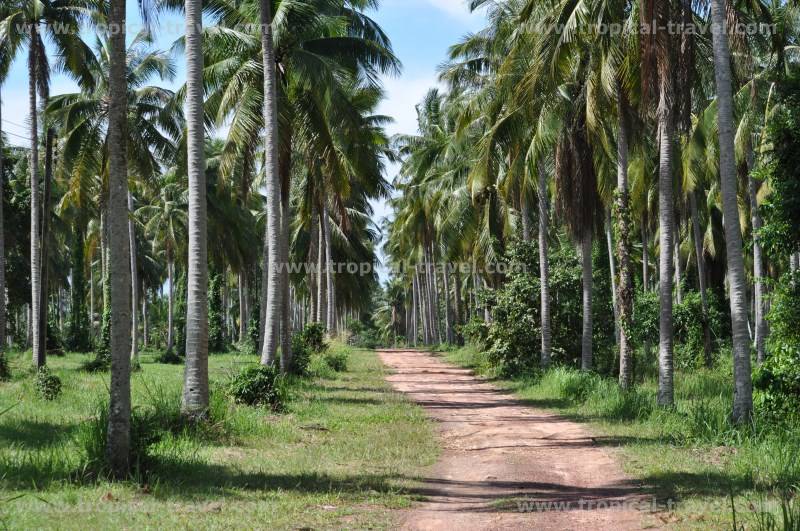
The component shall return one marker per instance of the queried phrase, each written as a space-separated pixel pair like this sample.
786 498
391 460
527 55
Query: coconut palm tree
31 24
743 386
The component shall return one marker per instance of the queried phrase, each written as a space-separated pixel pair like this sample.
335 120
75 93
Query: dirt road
508 466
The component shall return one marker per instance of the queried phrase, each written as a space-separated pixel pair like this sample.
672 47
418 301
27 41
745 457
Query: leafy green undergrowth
343 452
691 455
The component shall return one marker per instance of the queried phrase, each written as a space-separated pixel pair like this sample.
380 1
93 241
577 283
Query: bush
169 357
476 332
5 368
306 343
258 385
48 385
337 360
363 335
689 320
301 356
312 337
100 363
778 379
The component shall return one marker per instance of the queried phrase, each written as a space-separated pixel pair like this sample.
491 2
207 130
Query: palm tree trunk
742 377
145 331
242 310
36 266
544 269
666 218
322 312
2 243
678 265
758 267
622 215
119 418
612 267
195 382
414 332
286 329
44 288
171 303
525 214
134 286
645 253
586 261
459 304
274 291
448 320
697 236
329 290
92 331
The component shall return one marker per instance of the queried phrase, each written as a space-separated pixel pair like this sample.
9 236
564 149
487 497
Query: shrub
100 363
169 357
363 335
305 343
689 320
48 385
778 379
337 360
301 356
258 385
5 368
476 332
312 336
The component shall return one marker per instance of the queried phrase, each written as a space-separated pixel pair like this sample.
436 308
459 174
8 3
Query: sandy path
498 452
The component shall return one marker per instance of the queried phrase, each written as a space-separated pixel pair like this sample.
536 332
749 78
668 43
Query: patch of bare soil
508 466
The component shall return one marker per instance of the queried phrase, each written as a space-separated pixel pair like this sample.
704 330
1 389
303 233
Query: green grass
692 454
346 451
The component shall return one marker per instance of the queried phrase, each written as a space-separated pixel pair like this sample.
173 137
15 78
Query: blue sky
421 32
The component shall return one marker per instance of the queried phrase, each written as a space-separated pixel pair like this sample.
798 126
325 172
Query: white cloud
454 8
402 96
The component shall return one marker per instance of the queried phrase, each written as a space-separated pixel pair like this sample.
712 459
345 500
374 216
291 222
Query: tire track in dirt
508 466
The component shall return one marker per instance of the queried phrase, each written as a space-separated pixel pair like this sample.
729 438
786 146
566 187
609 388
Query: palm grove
640 197
144 227
590 190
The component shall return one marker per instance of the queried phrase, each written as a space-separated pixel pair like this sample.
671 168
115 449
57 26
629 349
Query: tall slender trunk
36 266
459 312
329 290
678 265
91 297
44 287
119 418
2 242
322 282
742 377
274 292
171 303
242 310
622 215
645 253
758 266
612 267
134 285
544 269
286 329
666 218
448 320
525 214
145 331
195 383
697 236
586 261
414 331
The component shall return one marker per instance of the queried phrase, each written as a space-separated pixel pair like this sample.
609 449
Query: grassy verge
691 455
344 453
